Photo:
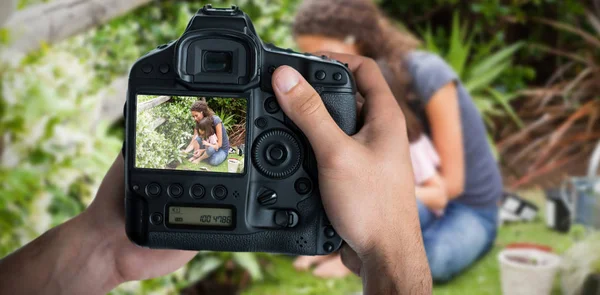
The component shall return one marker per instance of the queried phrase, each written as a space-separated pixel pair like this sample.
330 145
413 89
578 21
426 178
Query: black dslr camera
211 162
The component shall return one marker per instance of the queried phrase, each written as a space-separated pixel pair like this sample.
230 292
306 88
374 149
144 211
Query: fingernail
287 78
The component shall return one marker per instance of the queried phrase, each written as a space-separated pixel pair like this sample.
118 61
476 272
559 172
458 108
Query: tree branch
58 20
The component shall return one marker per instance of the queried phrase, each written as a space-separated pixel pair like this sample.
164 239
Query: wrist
68 259
86 262
396 263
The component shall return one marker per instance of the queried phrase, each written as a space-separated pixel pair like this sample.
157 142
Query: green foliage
51 138
111 49
216 263
281 278
478 74
227 119
4 36
494 24
22 4
156 146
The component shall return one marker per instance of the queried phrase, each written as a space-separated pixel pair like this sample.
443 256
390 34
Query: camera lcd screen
200 216
205 134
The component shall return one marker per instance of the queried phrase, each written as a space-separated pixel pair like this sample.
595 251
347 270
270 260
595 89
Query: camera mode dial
276 154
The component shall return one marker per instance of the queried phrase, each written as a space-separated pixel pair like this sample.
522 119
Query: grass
187 165
481 278
283 279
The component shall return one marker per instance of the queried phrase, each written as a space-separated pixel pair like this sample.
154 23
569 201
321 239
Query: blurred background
532 66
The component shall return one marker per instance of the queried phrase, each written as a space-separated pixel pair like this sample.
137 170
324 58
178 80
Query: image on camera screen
191 133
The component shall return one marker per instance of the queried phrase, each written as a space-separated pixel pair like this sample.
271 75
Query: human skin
443 115
91 254
349 185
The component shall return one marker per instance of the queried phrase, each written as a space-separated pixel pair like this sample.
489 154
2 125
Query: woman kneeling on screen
213 154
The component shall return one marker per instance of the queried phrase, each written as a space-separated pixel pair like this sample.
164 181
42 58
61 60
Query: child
429 186
207 137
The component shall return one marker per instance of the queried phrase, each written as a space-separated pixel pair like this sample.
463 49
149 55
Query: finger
304 106
378 98
350 259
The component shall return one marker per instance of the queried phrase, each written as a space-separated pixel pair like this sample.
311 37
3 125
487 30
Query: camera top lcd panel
211 161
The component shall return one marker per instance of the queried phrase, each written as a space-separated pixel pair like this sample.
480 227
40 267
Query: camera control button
328 247
164 68
329 232
197 191
261 122
147 68
267 197
271 69
303 186
219 192
156 218
337 76
285 218
271 105
175 190
276 154
320 75
153 189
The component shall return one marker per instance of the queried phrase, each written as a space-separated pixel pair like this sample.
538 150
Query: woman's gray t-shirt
483 183
225 138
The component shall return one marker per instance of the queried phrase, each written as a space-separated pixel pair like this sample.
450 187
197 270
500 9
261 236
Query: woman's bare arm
219 130
443 114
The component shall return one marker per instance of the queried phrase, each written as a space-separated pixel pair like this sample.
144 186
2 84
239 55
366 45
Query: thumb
304 106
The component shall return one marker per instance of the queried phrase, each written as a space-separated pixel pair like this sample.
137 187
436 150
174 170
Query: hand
198 153
106 215
89 254
366 182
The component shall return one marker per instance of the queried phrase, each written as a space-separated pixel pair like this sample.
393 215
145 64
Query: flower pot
525 271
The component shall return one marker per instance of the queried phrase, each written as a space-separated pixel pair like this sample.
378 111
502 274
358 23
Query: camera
211 161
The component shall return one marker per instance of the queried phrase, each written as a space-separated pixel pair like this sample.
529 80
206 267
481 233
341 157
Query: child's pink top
213 139
425 159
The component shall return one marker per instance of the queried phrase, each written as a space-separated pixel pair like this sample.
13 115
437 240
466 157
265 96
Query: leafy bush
496 22
479 74
54 148
112 48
